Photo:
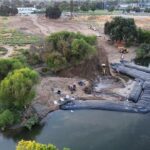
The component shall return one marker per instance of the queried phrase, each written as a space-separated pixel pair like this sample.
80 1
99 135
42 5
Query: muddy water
88 130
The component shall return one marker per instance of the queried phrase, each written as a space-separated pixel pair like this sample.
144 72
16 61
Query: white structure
26 10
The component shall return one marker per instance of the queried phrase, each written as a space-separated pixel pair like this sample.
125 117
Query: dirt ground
41 26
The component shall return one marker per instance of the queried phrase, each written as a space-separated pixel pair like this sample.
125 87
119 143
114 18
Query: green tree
62 48
93 6
13 11
16 90
8 65
85 6
143 51
122 29
81 49
143 36
4 10
53 12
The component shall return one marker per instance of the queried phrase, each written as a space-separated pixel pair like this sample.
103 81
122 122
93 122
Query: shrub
68 48
16 90
6 119
56 60
143 51
32 145
31 122
112 8
53 12
143 36
81 49
8 65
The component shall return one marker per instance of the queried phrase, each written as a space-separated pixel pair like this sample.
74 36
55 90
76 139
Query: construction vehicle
123 50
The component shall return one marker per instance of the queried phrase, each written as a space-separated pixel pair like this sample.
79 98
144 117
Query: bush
111 9
32 145
143 36
53 12
143 51
56 60
81 49
31 122
6 119
8 65
16 90
68 48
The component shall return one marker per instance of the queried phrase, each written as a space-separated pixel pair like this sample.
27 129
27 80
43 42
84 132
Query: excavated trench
138 100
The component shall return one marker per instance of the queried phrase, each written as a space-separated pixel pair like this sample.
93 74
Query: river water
88 130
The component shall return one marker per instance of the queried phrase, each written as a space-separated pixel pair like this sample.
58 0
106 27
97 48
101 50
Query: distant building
125 6
26 10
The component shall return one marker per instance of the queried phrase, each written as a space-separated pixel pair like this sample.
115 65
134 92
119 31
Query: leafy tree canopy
16 90
6 10
53 12
8 65
32 145
122 29
68 48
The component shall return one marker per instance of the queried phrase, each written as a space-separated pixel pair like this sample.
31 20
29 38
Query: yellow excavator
123 50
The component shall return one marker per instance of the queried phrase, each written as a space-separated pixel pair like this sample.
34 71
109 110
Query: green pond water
88 130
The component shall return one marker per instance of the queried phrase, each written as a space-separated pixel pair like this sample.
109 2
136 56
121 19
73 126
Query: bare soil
107 53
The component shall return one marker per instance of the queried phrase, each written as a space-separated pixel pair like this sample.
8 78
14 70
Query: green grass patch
100 12
14 37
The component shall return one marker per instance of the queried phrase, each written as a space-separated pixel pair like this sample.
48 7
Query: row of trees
7 11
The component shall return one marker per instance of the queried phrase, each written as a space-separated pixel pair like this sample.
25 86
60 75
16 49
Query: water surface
88 130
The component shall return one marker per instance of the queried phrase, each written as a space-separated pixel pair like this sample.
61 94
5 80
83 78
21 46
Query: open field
23 30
